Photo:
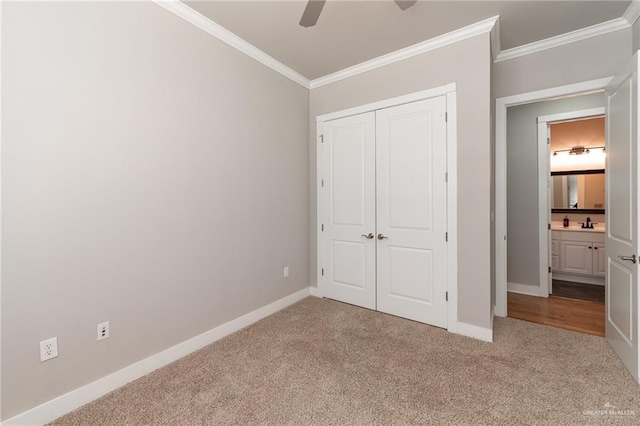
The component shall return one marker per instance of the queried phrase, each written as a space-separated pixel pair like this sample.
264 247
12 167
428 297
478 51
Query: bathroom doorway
575 187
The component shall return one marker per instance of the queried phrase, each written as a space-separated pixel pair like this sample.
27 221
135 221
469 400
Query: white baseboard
68 402
529 290
315 291
480 333
578 278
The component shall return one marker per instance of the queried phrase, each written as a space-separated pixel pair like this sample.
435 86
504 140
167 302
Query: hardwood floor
572 314
594 293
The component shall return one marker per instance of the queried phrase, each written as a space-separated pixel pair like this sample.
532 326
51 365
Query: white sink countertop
557 226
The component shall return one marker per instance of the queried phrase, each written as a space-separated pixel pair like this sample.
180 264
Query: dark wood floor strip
591 292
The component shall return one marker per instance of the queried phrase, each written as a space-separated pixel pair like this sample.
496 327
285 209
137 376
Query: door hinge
549 269
446 296
446 117
548 141
323 272
549 226
322 227
446 176
321 138
446 236
322 183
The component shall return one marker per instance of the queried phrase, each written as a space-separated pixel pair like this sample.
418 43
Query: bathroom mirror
577 191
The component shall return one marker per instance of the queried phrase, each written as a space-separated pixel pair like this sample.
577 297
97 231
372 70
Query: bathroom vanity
578 254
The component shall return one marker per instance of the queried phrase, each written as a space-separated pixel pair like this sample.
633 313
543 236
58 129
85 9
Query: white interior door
411 147
622 216
349 246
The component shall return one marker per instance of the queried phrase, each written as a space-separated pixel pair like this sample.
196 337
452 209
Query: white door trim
449 91
544 213
544 174
399 100
452 211
501 171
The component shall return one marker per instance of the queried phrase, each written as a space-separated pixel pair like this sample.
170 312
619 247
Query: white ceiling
351 32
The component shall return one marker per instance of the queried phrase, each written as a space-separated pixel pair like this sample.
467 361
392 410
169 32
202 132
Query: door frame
448 90
502 104
544 174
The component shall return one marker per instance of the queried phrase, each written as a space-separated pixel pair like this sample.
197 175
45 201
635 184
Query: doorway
541 249
501 221
576 204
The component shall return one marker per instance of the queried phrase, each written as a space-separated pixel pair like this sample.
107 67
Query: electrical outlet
286 271
103 331
48 349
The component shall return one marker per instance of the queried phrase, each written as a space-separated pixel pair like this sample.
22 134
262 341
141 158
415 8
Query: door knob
369 237
631 258
382 237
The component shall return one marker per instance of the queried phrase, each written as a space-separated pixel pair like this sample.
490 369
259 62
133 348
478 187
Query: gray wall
466 63
152 176
590 59
523 259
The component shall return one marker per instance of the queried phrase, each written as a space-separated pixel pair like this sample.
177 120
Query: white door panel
411 211
621 328
620 300
349 263
410 274
349 202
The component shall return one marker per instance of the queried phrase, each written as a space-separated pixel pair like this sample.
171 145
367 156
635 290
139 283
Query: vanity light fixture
579 150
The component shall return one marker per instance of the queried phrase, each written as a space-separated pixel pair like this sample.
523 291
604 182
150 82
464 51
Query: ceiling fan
314 7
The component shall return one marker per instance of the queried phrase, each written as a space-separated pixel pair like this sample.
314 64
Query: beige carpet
325 362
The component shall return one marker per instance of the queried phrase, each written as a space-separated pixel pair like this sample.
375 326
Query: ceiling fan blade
311 13
405 4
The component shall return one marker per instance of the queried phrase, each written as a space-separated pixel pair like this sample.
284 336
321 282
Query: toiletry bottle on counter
565 222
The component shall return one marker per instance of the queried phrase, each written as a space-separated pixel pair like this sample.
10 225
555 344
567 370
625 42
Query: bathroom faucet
588 224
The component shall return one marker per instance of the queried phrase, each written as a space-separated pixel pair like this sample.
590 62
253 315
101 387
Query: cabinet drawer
593 237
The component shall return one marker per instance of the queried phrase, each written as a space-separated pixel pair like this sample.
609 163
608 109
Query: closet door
349 246
411 157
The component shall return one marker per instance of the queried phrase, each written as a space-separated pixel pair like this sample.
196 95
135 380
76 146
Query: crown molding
408 52
495 40
491 25
632 13
188 14
567 38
